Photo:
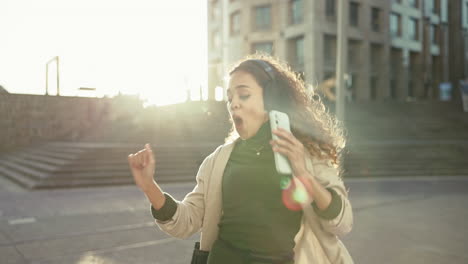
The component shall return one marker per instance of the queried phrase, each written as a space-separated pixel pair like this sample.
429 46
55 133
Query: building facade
419 41
458 42
396 49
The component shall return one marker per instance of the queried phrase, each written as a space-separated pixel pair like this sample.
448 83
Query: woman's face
245 104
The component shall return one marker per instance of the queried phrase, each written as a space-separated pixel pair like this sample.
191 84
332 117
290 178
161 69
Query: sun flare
154 49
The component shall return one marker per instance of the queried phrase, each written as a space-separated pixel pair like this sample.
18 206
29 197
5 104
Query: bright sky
153 48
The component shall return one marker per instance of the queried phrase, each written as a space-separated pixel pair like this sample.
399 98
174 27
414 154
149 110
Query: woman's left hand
291 147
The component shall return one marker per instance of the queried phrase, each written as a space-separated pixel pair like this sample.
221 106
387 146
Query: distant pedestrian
427 86
328 88
246 211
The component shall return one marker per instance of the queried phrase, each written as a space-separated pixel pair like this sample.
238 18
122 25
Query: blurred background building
400 49
398 123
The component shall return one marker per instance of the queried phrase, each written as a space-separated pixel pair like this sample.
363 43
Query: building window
395 25
329 50
431 6
436 6
374 82
235 23
216 40
413 32
413 3
297 53
295 11
262 17
351 87
434 34
354 14
376 19
330 8
375 57
263 47
214 12
328 75
428 7
299 46
354 48
395 70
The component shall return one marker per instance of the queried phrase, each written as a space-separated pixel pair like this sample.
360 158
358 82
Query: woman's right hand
143 165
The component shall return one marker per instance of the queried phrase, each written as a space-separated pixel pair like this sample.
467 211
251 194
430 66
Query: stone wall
31 119
27 119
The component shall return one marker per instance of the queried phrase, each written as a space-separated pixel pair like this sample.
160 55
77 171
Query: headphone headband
270 91
266 67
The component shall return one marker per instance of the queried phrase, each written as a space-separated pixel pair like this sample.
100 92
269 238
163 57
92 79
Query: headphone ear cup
268 89
275 98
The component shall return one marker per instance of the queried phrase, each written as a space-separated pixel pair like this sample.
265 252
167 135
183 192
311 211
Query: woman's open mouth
238 122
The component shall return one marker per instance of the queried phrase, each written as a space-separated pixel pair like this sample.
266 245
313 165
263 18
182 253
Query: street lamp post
341 60
56 58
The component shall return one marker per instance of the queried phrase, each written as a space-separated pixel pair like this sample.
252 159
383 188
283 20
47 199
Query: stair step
89 155
97 163
52 154
407 172
453 154
41 166
26 171
17 177
117 173
91 175
74 183
93 167
176 172
42 158
391 162
81 166
63 150
406 165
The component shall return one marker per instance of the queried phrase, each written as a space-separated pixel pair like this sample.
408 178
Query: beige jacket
317 240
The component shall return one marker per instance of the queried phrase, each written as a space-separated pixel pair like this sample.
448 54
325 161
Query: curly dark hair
319 131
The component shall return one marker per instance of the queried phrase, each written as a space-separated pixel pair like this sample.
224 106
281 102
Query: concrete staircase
407 158
65 164
406 139
386 139
396 121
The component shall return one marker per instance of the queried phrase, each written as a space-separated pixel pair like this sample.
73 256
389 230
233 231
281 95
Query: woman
246 211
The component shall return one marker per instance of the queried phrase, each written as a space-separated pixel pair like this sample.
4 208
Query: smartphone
280 120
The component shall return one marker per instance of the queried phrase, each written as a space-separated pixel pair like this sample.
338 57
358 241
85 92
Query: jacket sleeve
328 176
188 217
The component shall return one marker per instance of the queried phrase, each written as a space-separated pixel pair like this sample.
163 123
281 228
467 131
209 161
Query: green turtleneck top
254 216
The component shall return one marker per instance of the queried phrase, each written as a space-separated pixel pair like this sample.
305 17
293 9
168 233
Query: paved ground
402 220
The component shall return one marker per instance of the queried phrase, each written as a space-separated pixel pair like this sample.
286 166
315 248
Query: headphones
271 93
266 67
